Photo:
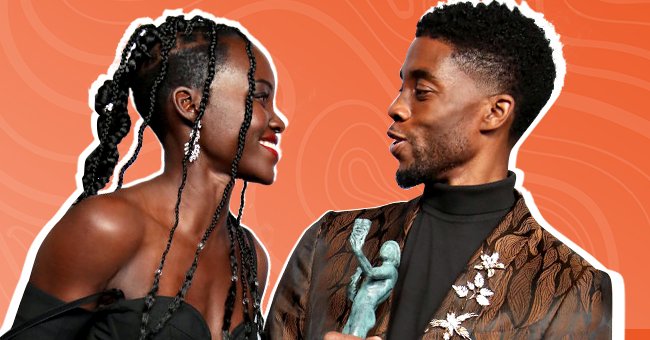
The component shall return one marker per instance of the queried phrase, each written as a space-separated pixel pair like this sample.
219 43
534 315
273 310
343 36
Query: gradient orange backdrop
586 163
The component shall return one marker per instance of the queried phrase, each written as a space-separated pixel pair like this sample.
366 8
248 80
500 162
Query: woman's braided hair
145 69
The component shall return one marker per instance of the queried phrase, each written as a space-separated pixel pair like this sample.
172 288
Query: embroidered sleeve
286 318
586 309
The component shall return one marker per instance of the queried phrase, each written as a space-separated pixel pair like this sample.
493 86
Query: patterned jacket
545 289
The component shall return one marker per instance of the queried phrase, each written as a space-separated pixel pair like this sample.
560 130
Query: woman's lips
272 147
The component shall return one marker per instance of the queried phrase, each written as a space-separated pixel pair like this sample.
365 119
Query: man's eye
421 92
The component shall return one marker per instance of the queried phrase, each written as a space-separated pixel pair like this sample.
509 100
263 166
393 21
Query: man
474 262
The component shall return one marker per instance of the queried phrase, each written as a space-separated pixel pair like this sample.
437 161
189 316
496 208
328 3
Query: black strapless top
119 320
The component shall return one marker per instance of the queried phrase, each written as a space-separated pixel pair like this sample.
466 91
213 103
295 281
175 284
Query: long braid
168 44
175 304
151 295
150 299
248 267
232 290
248 273
234 232
113 124
247 251
146 41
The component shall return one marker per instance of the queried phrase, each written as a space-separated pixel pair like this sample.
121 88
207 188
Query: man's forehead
424 57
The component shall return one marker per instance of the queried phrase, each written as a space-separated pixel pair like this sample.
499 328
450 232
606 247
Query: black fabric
452 223
34 303
118 320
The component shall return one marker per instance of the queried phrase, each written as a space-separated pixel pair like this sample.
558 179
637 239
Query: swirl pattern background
586 163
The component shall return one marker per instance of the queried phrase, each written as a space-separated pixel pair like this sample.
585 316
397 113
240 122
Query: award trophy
376 284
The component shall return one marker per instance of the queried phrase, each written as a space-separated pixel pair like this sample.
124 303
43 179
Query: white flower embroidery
461 291
482 297
452 325
479 292
489 263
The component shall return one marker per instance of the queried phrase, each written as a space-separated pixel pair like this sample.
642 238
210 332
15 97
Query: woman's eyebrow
265 82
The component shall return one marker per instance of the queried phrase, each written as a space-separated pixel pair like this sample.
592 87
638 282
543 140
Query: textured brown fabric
545 291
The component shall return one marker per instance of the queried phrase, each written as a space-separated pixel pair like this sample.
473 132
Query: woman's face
225 113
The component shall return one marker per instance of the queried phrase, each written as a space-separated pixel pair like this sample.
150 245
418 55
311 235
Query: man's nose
398 110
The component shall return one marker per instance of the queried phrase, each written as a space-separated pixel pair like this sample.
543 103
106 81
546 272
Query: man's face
436 114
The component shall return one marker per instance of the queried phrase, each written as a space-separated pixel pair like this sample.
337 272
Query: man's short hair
500 49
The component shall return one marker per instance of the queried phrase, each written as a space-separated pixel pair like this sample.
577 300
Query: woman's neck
202 193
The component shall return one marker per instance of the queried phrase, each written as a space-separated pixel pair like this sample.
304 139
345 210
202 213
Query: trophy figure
376 284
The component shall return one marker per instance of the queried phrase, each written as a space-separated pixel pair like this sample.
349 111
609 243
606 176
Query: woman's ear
186 102
501 110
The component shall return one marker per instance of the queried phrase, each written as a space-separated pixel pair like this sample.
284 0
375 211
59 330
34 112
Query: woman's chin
267 181
264 179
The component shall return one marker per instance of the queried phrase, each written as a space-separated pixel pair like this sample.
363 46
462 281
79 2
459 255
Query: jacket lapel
397 230
507 239
336 264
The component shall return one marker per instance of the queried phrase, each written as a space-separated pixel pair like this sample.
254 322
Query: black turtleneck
452 223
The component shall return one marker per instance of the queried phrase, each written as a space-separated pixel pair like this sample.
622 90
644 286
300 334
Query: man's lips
396 146
398 143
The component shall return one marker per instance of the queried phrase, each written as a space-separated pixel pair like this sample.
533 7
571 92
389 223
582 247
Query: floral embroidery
479 292
489 263
452 325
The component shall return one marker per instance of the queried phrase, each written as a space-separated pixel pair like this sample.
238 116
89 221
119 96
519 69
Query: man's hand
340 336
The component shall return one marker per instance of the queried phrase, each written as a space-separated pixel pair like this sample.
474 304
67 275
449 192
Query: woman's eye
262 96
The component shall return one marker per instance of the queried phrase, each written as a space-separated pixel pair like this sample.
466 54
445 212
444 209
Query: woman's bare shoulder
88 246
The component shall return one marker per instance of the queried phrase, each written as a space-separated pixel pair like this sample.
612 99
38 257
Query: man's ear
186 102
501 110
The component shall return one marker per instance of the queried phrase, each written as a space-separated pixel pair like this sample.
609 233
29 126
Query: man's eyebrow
420 74
265 82
423 74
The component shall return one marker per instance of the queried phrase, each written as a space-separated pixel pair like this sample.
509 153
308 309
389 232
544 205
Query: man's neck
470 199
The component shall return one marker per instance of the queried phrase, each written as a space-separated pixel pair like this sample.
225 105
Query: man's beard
434 156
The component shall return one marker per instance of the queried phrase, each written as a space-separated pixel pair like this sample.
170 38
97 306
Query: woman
208 95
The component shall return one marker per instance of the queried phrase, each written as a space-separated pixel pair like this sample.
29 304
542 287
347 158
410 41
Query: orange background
586 163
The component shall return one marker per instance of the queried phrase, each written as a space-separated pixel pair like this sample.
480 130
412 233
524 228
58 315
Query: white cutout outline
618 287
38 240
